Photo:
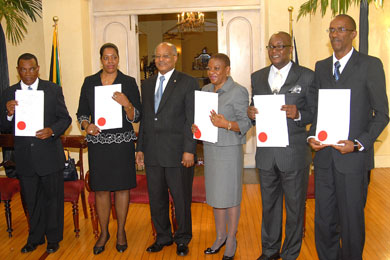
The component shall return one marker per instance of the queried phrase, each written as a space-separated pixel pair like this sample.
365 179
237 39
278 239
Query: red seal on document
101 121
198 134
322 135
263 137
21 125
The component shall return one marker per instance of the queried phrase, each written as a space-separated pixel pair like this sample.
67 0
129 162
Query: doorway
191 45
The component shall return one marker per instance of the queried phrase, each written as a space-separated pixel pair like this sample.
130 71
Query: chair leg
84 204
154 233
94 220
8 217
75 209
173 216
113 211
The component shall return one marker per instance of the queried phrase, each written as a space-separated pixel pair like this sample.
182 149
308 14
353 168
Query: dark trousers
275 184
44 198
179 182
339 213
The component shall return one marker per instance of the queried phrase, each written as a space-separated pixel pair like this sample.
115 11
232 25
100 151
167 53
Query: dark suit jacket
34 155
164 136
369 111
298 89
87 99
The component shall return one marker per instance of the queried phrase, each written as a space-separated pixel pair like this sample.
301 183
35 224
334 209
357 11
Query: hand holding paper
271 122
205 102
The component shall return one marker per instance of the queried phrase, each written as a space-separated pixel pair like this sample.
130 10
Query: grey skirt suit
224 159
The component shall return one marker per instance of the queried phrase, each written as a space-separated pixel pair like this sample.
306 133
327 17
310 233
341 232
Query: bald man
166 147
284 171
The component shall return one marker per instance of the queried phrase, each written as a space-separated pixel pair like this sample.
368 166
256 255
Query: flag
4 77
295 54
55 70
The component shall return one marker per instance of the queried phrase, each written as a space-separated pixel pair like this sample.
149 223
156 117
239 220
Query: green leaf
15 14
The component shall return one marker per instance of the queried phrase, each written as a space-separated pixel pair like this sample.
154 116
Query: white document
205 102
29 112
271 122
333 115
108 112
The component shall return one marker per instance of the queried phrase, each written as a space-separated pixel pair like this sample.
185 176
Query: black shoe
272 257
156 247
227 257
98 249
29 247
210 251
121 248
182 250
52 247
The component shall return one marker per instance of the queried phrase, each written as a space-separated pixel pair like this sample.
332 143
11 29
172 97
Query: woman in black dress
110 152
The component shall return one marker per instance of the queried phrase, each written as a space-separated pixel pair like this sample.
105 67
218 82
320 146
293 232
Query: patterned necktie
337 70
277 83
158 94
29 88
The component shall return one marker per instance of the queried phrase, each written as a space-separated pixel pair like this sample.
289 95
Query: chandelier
190 22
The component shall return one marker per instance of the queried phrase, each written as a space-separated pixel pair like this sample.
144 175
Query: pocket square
296 89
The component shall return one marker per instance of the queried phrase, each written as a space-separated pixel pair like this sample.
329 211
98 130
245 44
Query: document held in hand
29 112
333 115
271 122
205 102
108 112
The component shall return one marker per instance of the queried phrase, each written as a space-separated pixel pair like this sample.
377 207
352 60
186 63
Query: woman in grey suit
224 159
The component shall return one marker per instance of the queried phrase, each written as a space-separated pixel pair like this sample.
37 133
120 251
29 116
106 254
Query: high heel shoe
98 249
210 251
121 248
230 257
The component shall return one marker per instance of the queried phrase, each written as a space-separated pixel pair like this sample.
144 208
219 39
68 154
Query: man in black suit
341 170
40 159
165 142
284 171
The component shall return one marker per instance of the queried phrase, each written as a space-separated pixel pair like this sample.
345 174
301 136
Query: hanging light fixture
190 22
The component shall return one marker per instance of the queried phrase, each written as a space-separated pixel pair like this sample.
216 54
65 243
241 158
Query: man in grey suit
165 142
341 170
284 171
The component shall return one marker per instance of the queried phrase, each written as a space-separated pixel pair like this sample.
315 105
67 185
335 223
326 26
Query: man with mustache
341 170
166 147
284 171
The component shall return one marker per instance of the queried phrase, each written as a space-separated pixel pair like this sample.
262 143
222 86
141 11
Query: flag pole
290 10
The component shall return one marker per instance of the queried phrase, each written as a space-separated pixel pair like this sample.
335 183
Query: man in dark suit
341 170
40 159
284 171
165 142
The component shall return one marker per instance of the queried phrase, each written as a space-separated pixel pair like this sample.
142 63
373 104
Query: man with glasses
284 171
165 142
40 159
341 170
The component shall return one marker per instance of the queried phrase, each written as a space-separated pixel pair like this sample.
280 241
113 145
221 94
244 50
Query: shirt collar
284 71
34 86
343 61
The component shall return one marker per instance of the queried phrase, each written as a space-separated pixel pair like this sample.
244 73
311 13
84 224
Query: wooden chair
8 186
73 189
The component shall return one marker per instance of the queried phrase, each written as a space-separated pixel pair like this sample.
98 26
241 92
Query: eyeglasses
31 70
278 47
339 30
165 56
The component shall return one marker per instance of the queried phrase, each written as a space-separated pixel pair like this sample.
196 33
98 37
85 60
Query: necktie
277 83
337 70
29 88
158 95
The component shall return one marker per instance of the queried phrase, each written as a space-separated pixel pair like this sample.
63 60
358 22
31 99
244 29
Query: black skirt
112 166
